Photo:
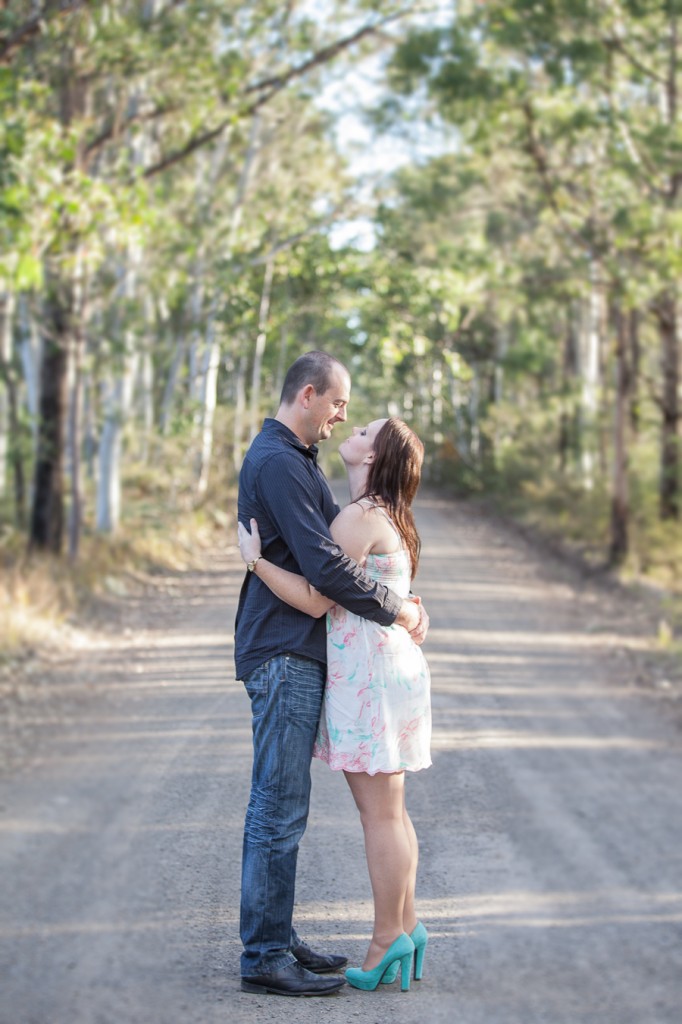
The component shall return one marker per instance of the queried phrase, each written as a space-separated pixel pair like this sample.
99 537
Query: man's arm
288 492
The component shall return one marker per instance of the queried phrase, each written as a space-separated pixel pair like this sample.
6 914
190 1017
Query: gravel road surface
550 822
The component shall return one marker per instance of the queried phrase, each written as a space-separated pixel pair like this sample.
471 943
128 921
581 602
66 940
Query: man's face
324 410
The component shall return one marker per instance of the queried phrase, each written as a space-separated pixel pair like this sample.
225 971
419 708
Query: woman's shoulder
367 519
361 511
350 515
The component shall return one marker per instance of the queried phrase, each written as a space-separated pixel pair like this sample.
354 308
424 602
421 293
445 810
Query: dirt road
550 822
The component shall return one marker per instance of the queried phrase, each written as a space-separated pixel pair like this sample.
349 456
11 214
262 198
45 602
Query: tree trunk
146 386
47 515
90 439
281 363
208 406
669 487
75 438
117 402
76 354
239 410
11 433
254 418
474 422
8 393
589 373
168 400
30 354
635 358
196 307
5 374
567 421
665 307
619 496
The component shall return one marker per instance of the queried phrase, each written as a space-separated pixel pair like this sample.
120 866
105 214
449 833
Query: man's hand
249 543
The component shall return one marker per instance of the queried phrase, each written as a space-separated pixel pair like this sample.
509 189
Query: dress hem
377 771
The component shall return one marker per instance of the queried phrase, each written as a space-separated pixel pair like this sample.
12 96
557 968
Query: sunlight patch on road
524 908
509 740
542 638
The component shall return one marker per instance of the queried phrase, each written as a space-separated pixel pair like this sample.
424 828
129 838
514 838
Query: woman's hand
249 543
419 633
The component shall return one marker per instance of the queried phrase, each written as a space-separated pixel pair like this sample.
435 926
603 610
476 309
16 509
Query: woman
376 719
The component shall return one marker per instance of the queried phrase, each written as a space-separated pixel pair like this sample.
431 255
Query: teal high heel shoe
420 937
398 954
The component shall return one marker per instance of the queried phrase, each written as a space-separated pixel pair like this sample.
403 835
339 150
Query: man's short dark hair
314 368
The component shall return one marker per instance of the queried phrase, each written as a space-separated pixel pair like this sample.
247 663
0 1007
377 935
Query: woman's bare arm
287 586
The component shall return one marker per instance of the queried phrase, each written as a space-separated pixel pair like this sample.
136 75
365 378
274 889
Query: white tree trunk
30 353
281 364
196 307
210 379
589 353
145 384
117 397
75 421
239 410
254 418
116 401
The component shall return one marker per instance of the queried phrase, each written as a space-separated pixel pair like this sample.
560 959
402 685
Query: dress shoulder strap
380 508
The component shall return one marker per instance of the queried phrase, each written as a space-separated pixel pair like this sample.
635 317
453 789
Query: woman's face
358 448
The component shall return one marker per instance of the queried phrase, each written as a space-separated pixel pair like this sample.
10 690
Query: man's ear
306 394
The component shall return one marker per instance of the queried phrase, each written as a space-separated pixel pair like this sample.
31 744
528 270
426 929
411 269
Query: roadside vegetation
180 217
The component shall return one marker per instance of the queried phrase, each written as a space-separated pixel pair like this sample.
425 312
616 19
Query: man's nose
342 415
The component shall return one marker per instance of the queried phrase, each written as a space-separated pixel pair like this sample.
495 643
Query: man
280 655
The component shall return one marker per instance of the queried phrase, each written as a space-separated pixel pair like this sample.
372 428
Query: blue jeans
286 697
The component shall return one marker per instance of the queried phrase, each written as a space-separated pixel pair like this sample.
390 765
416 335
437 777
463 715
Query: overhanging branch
22 35
268 88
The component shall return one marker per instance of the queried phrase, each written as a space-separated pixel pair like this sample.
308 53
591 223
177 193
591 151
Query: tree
115 101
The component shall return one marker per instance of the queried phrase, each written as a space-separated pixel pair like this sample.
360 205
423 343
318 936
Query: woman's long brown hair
394 477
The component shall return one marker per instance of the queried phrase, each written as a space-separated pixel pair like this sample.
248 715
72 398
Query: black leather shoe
292 980
318 963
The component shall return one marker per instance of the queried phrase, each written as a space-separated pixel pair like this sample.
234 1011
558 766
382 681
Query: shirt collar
271 425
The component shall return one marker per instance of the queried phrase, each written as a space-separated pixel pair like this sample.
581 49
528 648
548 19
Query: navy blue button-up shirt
284 490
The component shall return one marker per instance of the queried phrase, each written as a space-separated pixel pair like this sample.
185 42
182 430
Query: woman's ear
369 457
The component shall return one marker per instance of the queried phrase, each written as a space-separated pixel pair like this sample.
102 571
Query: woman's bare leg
409 912
390 847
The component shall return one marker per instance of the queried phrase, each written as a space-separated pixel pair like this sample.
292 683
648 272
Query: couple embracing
327 642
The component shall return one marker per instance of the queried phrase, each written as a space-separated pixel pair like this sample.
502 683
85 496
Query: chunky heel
420 937
399 953
405 965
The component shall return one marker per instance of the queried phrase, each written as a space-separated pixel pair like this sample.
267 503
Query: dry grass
36 601
44 598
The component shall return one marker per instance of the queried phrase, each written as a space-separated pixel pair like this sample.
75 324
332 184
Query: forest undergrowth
45 600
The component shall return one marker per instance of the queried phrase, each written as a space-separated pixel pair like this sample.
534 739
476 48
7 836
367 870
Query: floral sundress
376 712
